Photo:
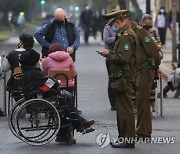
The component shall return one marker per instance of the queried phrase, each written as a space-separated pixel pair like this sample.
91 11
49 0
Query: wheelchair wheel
41 123
11 120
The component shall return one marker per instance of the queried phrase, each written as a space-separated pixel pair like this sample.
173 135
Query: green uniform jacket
125 55
148 48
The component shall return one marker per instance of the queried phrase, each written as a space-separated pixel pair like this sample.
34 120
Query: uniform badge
146 39
126 47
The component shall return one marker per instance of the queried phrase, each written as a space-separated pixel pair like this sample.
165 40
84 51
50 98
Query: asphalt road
93 101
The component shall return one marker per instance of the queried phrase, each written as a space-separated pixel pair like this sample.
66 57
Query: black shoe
86 124
70 138
122 145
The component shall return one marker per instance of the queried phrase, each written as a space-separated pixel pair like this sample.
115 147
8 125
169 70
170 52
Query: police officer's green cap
110 17
126 12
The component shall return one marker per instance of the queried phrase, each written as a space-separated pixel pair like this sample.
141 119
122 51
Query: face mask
147 27
60 22
87 8
162 10
114 29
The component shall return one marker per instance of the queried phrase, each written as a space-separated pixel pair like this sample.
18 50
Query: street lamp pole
174 19
42 7
148 6
42 10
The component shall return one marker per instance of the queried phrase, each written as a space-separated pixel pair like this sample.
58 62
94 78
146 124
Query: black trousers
162 34
167 88
86 33
111 93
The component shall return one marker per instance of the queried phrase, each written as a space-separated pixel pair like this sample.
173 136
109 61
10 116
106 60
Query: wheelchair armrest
37 91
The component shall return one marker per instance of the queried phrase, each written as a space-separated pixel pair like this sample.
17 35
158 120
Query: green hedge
4 34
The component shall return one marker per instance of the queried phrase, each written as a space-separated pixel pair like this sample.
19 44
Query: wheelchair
37 121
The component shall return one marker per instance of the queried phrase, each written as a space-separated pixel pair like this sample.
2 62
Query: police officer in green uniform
149 62
123 61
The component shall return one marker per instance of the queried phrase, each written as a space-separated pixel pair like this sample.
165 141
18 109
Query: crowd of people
133 55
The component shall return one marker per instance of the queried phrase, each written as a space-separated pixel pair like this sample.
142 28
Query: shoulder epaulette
139 27
125 33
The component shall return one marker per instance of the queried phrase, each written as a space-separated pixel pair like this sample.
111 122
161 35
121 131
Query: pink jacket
59 60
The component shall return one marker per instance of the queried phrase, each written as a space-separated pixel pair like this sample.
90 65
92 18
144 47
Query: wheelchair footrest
88 130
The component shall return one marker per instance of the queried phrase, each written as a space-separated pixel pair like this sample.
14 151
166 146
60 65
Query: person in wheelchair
58 59
33 78
11 61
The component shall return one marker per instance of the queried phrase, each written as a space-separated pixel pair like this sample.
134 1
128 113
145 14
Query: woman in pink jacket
58 59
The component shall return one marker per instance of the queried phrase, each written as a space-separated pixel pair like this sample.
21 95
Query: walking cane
4 90
161 98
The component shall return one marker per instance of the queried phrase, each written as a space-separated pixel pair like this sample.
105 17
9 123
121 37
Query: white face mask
114 29
87 8
162 10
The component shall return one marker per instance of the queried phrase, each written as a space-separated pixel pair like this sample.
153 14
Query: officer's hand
70 50
104 52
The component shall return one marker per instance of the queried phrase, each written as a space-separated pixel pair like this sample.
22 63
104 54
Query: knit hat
29 58
55 47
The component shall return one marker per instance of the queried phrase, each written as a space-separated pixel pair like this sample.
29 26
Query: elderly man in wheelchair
46 111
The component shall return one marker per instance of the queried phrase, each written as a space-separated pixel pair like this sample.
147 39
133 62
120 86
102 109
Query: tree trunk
31 10
136 7
174 19
122 4
4 20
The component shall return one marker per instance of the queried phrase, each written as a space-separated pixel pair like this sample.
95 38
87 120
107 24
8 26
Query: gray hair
146 17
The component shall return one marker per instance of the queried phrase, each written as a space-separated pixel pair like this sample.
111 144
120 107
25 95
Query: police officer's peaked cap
112 15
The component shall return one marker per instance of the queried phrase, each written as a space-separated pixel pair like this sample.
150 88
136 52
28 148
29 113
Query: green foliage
100 3
4 34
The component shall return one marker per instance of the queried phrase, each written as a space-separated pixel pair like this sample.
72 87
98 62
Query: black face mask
147 27
59 22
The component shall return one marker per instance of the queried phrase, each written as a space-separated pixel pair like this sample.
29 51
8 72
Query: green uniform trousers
144 81
125 114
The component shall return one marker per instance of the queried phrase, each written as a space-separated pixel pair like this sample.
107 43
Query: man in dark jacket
86 21
61 31
11 61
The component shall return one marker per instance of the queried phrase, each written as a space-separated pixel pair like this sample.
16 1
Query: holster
117 81
147 64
